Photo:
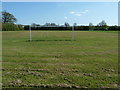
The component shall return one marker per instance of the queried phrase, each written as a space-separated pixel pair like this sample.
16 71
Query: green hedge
0 26
9 27
76 28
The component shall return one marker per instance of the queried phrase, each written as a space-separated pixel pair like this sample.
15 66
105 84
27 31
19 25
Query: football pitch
53 60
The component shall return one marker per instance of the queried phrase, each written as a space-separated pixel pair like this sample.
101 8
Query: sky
60 0
81 13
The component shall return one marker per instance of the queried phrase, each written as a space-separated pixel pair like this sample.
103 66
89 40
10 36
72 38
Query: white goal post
50 26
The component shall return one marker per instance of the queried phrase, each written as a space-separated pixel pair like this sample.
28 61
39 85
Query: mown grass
53 60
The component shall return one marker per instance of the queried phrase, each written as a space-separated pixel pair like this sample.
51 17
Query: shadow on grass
47 40
44 87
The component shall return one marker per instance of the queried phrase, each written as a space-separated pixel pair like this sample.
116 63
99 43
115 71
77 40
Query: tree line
8 24
76 28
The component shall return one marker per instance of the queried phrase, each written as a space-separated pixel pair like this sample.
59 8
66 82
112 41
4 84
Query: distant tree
26 27
75 24
102 25
67 24
8 18
37 24
91 26
47 24
53 24
114 28
21 27
33 24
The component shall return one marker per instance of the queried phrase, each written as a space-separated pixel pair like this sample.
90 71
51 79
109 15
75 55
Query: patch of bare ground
62 86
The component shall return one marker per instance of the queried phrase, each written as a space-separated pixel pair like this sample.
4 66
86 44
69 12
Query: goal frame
30 30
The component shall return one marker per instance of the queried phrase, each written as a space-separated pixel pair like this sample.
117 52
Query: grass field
53 60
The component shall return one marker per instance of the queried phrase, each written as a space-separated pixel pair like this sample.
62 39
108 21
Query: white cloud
72 12
85 11
65 17
78 13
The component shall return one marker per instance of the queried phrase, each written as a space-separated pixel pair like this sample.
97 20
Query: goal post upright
72 32
30 33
